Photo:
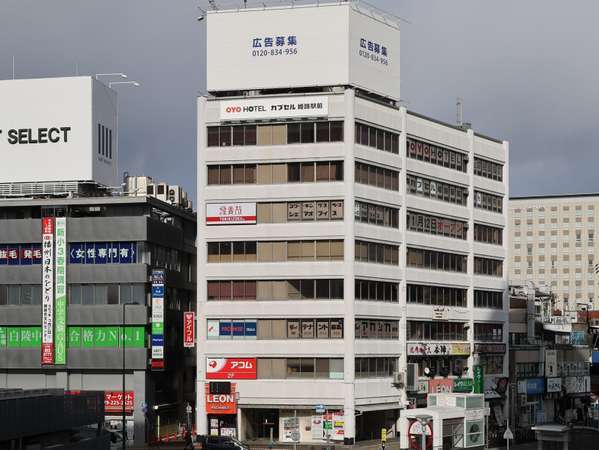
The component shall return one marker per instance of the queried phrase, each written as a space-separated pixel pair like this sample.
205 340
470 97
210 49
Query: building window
274 251
281 368
383 216
437 190
374 252
491 364
488 234
488 332
377 176
309 211
488 299
275 134
306 172
425 223
266 290
488 169
435 154
381 291
436 295
436 331
434 260
375 367
489 202
377 138
488 266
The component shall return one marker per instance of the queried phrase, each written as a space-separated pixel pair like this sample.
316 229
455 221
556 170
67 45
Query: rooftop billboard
303 46
58 129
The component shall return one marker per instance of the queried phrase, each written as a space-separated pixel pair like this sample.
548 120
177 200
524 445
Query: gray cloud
526 71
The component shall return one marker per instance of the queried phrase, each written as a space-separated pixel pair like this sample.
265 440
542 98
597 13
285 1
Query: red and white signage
221 403
189 329
231 368
230 214
113 401
48 290
415 432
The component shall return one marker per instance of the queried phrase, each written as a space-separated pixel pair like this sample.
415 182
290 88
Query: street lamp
124 430
116 74
134 83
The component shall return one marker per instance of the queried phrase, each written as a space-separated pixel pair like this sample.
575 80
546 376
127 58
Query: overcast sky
527 71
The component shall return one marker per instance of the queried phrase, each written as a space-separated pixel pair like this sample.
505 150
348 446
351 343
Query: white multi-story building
552 244
341 237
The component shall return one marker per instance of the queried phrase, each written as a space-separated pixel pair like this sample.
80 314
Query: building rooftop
557 196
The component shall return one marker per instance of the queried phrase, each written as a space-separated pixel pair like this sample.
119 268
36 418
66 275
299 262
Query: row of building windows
488 169
436 331
320 289
377 176
274 251
491 364
265 329
489 202
437 190
275 134
305 172
281 368
434 154
308 211
387 141
374 252
435 260
436 295
488 234
376 329
375 367
441 226
77 294
380 291
488 299
489 332
488 266
384 216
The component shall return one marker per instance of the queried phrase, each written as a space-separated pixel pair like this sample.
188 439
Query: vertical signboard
478 382
157 319
48 290
60 316
189 329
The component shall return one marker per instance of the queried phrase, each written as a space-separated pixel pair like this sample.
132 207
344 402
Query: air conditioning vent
398 378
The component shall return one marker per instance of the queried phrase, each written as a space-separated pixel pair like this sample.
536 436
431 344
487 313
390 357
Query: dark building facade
106 251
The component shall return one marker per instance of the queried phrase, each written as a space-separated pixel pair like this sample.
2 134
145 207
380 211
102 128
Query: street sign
188 409
508 434
319 409
383 435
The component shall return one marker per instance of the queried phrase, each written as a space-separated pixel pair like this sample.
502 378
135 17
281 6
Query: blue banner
158 339
250 329
102 253
535 386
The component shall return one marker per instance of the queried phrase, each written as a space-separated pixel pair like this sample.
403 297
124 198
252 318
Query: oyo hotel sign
274 108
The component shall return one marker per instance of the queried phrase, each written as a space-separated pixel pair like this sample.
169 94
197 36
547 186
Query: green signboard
30 337
135 337
60 284
3 338
74 337
157 328
463 385
14 337
106 337
87 337
327 425
479 385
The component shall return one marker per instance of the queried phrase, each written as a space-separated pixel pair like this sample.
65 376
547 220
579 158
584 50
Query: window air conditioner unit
398 378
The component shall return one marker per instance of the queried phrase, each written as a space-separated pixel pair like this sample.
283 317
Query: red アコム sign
231 368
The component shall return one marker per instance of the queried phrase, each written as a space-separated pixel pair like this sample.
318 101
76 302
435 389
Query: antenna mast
459 112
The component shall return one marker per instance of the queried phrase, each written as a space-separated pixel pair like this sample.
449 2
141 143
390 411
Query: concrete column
62 380
349 264
240 430
201 417
470 240
403 304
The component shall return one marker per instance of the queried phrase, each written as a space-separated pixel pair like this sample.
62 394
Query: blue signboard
20 254
595 357
250 329
237 329
535 386
102 253
158 340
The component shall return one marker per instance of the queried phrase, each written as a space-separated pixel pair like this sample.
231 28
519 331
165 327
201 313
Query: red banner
189 329
113 401
231 368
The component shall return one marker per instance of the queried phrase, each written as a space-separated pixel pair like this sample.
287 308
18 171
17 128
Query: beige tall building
552 243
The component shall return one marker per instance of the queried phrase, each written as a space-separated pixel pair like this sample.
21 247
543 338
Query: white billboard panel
303 46
230 213
57 129
274 108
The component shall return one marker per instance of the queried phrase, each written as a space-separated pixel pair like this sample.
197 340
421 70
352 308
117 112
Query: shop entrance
261 424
